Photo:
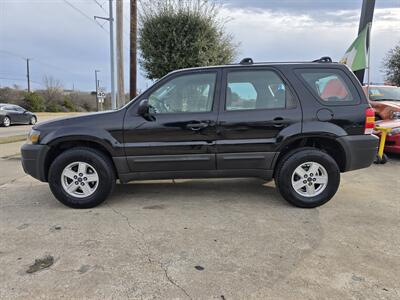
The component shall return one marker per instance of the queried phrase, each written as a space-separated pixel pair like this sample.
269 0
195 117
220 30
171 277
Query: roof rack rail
323 59
247 61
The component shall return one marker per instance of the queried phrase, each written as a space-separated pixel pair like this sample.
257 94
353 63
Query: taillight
369 120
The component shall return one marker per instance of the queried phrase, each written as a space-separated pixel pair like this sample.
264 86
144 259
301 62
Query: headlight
395 115
33 137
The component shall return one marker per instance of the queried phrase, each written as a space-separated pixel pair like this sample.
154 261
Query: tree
33 102
54 88
177 34
392 65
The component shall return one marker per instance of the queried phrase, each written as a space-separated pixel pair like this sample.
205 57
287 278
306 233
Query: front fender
88 134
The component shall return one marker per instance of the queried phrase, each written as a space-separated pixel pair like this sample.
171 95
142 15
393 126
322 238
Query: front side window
185 94
329 86
258 89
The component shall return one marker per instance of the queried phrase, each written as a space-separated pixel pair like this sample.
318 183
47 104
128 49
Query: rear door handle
278 122
197 126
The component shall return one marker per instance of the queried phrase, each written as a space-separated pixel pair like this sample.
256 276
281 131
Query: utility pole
110 19
28 75
133 53
120 53
97 89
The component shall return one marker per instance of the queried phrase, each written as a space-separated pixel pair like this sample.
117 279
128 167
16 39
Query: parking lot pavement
203 239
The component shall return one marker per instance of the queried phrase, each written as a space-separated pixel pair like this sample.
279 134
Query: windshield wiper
385 99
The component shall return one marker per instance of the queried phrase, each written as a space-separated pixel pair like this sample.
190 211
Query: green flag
356 57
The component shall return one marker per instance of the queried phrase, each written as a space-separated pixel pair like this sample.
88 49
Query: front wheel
307 177
81 177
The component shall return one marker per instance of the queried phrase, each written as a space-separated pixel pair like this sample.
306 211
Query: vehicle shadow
217 190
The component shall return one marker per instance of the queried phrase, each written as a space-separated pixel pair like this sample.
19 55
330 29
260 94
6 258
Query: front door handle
197 126
278 122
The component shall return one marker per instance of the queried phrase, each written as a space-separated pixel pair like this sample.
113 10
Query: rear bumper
33 160
360 150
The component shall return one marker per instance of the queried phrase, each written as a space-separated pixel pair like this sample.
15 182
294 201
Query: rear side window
330 86
258 89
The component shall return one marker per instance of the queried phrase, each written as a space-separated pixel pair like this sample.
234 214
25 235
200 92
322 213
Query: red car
392 144
385 100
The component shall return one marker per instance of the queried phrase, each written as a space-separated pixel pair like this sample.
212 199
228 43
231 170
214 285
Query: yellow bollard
384 132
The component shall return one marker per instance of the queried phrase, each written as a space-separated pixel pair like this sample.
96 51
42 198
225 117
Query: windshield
384 93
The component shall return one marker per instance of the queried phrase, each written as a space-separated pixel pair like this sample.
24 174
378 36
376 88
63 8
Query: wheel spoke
298 184
310 189
321 179
69 173
82 168
313 168
86 189
300 171
92 177
72 187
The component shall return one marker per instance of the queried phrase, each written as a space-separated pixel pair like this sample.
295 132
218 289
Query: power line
101 6
85 15
13 54
39 62
20 79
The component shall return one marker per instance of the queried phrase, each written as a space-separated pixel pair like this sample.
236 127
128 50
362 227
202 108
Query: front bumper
33 160
360 150
392 144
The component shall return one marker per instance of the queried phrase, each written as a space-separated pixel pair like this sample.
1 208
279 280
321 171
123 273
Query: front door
257 106
182 135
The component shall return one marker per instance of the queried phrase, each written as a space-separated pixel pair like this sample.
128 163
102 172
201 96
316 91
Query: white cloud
268 35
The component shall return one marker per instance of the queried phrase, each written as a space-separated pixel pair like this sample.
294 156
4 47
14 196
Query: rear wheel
81 177
6 121
307 177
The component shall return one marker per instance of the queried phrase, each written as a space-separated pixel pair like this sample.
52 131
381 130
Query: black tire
5 122
99 161
287 166
33 120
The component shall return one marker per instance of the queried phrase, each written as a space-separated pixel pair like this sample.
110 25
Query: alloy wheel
309 179
79 179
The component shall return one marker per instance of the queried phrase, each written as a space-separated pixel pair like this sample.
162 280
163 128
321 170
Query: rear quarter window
329 86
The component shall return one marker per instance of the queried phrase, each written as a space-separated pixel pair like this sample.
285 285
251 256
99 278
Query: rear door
257 104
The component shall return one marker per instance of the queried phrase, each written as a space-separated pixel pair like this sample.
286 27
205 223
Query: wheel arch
60 145
326 143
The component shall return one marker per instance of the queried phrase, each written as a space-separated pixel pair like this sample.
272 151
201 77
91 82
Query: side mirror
146 110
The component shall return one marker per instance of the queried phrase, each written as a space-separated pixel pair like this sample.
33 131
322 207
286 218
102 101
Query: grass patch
13 139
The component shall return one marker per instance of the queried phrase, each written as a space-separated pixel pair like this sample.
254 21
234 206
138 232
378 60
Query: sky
63 41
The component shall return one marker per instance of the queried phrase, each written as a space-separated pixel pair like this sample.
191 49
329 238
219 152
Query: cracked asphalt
202 239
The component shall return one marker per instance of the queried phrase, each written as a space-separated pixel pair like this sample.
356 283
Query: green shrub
33 102
68 104
54 107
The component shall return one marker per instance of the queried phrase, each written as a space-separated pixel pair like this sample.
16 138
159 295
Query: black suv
299 123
